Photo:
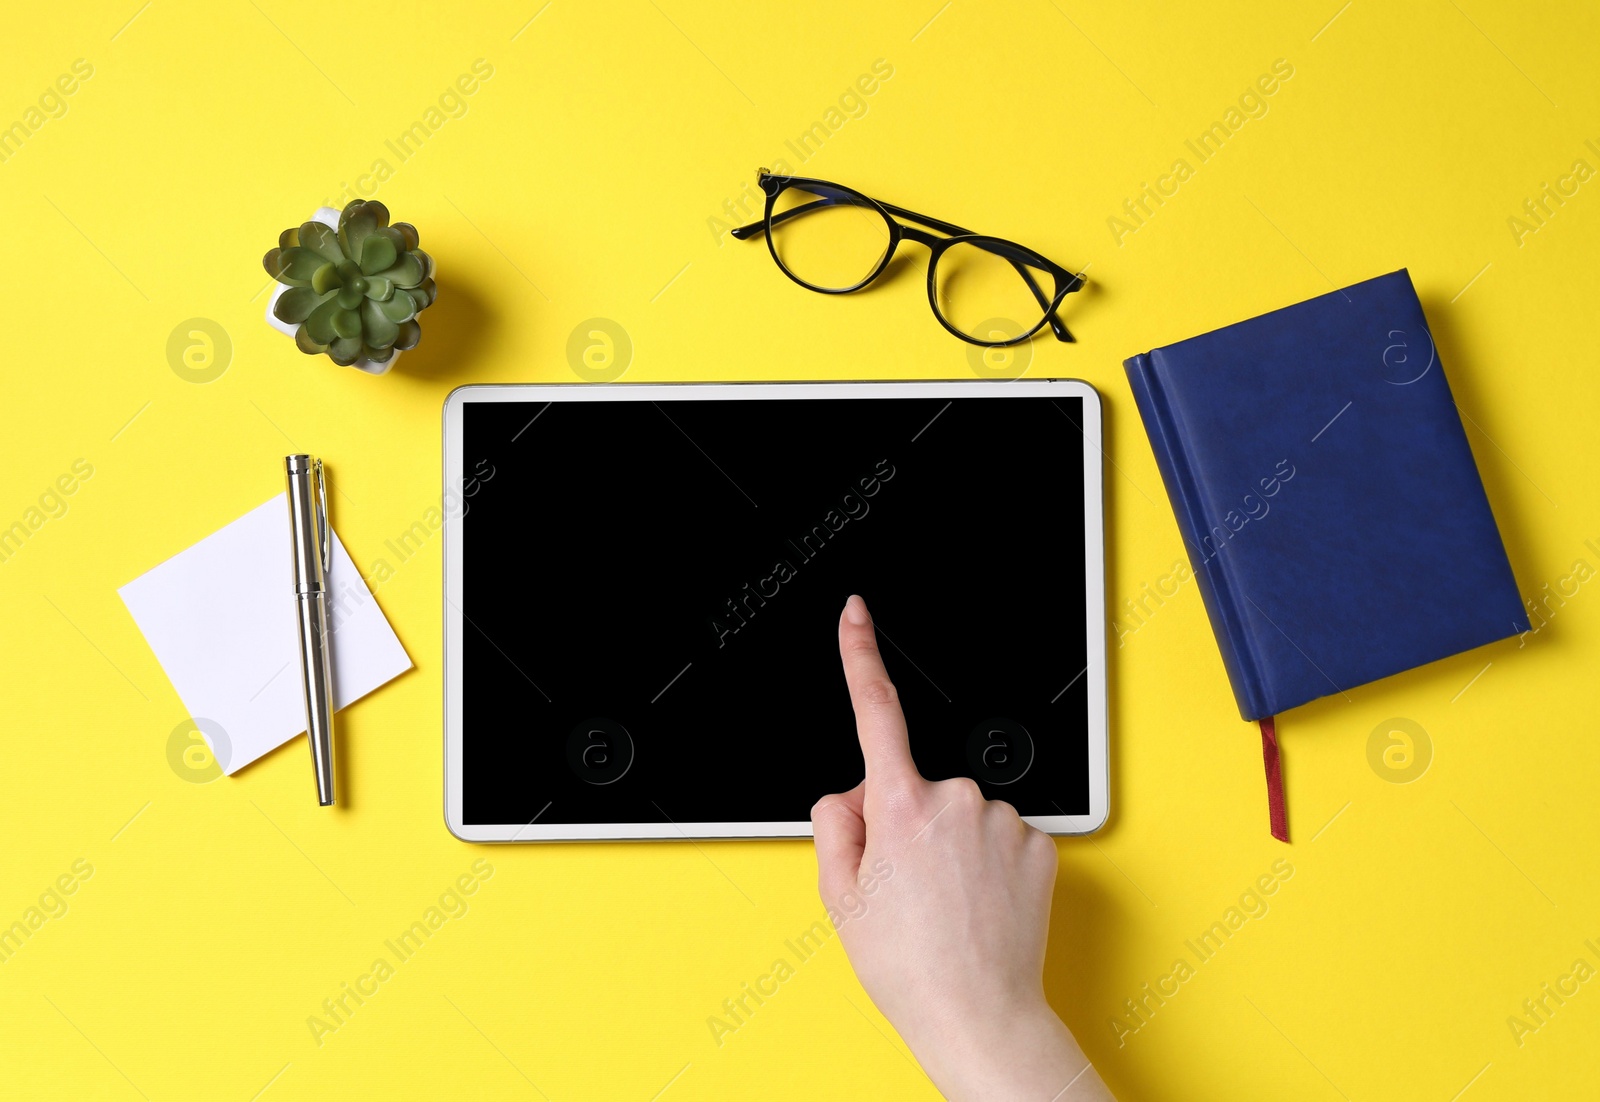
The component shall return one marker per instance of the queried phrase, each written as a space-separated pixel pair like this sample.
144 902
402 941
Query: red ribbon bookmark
1274 764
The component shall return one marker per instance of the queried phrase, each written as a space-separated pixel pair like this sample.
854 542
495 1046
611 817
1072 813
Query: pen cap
308 522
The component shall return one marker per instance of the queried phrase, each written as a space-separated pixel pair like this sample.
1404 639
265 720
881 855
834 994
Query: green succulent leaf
325 279
380 213
410 334
303 341
357 221
353 209
320 239
319 323
427 263
295 263
349 297
347 323
296 304
345 351
379 288
273 263
398 308
425 293
408 234
408 271
378 355
378 253
289 238
379 329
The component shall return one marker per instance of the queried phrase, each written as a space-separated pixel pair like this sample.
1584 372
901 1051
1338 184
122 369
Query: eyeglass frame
1066 280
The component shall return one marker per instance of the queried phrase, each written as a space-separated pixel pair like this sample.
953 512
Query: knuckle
878 691
859 642
963 792
1043 848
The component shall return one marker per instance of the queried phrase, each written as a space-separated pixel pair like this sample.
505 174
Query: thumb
841 833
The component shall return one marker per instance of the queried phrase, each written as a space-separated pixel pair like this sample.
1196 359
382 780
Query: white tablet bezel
1094 576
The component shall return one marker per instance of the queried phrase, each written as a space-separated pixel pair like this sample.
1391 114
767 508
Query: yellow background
579 183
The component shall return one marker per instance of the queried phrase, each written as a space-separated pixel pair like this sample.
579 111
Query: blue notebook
1330 505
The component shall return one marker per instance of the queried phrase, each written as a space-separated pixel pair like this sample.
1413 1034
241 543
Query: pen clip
323 530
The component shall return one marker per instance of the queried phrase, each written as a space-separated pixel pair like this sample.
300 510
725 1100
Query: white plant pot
329 217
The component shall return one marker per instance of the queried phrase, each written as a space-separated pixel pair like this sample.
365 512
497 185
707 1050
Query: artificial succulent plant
355 292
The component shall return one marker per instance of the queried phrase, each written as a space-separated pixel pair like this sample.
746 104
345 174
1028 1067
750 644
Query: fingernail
855 610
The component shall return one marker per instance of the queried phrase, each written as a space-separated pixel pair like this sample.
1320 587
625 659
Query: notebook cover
1327 495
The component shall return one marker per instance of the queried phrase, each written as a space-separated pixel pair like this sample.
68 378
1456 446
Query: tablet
643 586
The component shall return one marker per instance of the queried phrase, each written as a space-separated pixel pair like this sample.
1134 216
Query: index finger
880 723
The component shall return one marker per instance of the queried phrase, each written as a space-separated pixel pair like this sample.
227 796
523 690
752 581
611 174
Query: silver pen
311 549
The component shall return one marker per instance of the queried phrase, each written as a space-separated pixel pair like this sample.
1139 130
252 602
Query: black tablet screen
652 593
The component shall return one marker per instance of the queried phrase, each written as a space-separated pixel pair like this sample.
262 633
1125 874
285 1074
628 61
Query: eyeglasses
833 239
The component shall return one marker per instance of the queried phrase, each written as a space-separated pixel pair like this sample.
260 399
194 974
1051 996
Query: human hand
951 945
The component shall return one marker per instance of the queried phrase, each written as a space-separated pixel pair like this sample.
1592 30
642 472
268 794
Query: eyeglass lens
986 296
828 238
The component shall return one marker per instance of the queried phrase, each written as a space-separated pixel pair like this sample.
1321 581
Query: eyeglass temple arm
1057 326
743 232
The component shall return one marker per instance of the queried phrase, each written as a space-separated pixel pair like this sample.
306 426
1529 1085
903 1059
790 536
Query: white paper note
221 619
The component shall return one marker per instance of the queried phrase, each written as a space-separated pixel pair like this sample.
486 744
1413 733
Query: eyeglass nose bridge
921 237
